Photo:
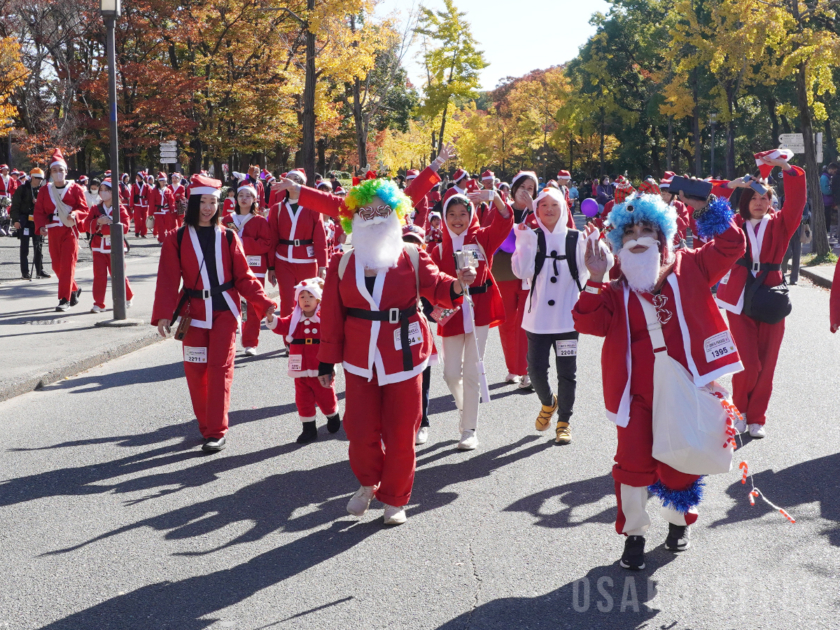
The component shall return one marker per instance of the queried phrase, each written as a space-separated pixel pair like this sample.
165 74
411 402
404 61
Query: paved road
112 520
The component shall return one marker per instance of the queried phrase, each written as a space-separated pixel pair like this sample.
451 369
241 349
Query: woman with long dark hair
215 273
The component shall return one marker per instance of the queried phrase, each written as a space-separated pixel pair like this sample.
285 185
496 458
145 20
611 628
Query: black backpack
570 256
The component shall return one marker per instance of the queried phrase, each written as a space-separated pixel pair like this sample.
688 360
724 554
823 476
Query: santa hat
5 167
16 172
57 159
339 191
106 182
649 187
522 174
324 185
459 175
764 168
298 172
161 177
504 185
174 175
564 175
107 173
665 182
649 209
247 186
623 189
457 198
203 185
316 287
411 174
552 184
370 175
414 234
488 174
434 215
83 179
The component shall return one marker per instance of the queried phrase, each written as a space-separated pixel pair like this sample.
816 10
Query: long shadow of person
576 494
817 480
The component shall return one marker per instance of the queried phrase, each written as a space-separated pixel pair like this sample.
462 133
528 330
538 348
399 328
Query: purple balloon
589 207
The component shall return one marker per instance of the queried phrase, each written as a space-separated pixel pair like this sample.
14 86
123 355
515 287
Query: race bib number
310 251
107 241
295 362
475 252
195 355
566 347
719 345
415 336
725 278
254 261
26 231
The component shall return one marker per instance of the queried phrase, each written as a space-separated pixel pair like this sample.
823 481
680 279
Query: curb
816 278
33 383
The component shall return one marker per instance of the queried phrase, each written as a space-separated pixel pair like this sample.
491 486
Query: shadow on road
571 495
139 376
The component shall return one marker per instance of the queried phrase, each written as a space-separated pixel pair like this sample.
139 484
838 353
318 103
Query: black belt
392 316
757 267
305 342
482 288
297 242
206 294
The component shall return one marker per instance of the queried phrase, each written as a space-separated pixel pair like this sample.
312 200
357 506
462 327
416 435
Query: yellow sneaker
544 419
564 435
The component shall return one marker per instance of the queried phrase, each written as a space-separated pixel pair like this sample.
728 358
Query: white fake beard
378 243
641 270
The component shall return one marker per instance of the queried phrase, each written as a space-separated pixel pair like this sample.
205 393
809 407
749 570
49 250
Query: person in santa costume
551 257
759 332
59 210
138 205
179 199
208 260
421 205
685 220
229 207
302 331
484 211
465 334
23 216
98 223
8 184
514 291
255 234
564 178
671 289
162 204
434 235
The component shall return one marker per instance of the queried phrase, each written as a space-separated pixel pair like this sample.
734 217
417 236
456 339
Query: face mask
94 190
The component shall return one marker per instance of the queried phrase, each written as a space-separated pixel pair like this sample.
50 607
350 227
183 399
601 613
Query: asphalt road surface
111 519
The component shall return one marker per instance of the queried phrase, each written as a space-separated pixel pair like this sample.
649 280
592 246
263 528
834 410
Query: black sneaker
63 305
309 434
74 297
44 274
26 276
333 423
678 537
214 445
633 557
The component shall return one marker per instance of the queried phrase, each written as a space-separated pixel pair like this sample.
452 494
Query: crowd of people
365 273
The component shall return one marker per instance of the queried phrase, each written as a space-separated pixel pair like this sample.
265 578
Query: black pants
37 241
539 352
427 383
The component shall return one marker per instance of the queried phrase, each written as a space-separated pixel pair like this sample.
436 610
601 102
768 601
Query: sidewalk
821 275
42 346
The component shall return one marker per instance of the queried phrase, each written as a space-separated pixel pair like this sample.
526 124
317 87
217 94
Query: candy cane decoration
745 468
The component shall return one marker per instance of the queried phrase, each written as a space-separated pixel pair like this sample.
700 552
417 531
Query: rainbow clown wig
648 209
362 195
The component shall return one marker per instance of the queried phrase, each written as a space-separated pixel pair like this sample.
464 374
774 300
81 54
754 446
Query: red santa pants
101 271
164 223
140 228
381 421
514 339
758 344
288 275
251 326
210 372
308 393
64 252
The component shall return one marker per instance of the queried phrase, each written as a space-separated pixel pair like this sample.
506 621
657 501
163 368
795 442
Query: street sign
168 160
169 143
167 153
796 143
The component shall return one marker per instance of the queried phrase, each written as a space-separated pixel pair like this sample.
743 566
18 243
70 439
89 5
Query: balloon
589 207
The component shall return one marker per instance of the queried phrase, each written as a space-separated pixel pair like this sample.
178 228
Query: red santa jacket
161 201
695 332
418 192
177 266
101 241
178 192
768 242
304 342
304 226
72 195
8 186
489 308
256 240
136 199
363 346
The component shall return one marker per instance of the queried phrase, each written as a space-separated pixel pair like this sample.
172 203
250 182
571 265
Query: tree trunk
361 127
811 168
571 153
308 149
654 150
669 158
197 155
442 129
695 127
434 152
602 145
322 160
829 150
774 120
730 149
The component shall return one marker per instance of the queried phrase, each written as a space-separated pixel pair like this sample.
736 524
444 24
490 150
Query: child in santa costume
98 223
162 204
515 291
229 207
208 260
302 331
59 210
255 234
551 256
179 199
758 334
434 235
671 289
465 334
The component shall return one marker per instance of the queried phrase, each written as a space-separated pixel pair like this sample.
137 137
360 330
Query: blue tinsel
715 219
681 500
641 209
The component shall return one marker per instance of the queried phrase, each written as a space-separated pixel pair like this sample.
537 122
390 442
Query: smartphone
691 188
755 185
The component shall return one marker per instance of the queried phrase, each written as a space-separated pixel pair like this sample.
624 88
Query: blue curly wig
641 209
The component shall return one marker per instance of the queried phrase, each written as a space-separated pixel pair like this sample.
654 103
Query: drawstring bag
689 422
150 222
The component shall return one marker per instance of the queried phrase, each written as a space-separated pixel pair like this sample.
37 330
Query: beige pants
460 371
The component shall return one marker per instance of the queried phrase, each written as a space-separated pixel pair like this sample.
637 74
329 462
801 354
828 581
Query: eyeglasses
368 214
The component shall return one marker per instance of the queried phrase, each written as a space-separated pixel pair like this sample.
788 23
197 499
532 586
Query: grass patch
812 260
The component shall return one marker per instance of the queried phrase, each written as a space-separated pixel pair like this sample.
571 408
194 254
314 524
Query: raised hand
595 260
447 152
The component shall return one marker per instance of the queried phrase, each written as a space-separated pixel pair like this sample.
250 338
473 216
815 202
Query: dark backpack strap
572 237
539 261
229 236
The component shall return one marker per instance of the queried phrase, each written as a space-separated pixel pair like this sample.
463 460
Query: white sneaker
360 502
422 435
511 378
250 352
757 431
469 441
741 425
525 382
394 515
97 309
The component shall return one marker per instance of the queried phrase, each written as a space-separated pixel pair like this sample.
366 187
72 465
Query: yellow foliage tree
12 75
